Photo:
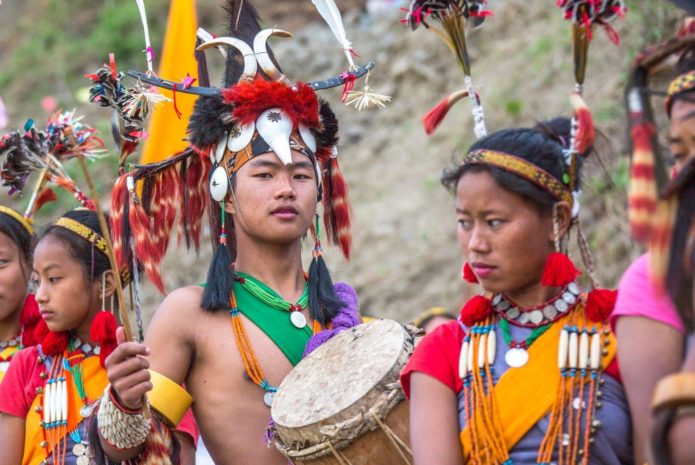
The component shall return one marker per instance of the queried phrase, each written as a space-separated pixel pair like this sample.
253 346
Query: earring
468 275
559 270
103 329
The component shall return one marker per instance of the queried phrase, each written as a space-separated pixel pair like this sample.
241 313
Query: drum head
346 374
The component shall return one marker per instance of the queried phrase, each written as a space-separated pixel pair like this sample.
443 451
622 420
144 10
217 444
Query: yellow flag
166 130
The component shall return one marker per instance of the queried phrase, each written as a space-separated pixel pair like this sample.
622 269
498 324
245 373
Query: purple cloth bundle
347 317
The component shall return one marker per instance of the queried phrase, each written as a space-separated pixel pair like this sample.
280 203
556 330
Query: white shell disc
219 184
240 137
298 319
308 137
219 150
516 358
79 449
268 398
82 460
86 411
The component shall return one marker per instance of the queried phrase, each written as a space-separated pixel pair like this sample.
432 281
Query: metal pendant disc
82 460
513 313
86 411
536 316
298 319
268 398
516 358
79 449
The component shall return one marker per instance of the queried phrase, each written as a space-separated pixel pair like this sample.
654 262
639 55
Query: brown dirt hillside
406 258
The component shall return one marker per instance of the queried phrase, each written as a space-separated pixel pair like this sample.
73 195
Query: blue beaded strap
267 387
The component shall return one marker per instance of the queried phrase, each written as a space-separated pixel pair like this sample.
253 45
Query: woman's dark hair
17 234
93 261
543 145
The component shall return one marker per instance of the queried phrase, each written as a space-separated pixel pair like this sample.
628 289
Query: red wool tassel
337 214
586 133
119 197
47 195
468 274
437 114
559 270
29 319
103 332
600 304
54 343
476 310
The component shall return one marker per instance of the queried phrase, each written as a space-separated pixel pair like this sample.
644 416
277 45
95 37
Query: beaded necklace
255 288
248 356
54 402
14 342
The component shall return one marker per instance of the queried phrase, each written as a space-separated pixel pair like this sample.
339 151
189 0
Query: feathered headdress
259 110
451 16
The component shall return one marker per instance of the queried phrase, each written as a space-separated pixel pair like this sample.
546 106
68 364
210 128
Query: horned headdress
258 110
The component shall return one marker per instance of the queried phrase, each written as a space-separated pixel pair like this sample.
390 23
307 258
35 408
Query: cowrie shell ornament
275 127
240 137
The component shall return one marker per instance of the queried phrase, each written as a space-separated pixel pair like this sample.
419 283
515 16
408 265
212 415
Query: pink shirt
637 297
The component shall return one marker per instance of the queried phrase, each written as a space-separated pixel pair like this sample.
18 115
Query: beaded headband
523 169
683 83
25 222
84 232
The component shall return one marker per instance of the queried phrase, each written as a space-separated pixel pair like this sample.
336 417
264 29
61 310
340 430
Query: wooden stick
122 310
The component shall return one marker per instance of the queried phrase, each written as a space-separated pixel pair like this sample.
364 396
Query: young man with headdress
642 307
269 146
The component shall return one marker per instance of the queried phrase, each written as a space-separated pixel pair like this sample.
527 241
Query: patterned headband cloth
84 232
25 222
683 83
523 169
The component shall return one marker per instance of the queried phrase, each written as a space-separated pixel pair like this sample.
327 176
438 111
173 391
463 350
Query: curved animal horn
250 64
260 49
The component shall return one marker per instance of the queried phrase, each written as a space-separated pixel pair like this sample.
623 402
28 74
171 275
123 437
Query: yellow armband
168 398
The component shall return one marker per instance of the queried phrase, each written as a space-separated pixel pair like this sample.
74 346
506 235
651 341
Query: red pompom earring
559 270
468 275
103 329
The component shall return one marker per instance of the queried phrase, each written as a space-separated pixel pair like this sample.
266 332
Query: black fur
218 290
207 126
323 303
328 136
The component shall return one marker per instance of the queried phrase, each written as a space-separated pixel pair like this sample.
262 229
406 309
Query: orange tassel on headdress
437 114
47 195
642 192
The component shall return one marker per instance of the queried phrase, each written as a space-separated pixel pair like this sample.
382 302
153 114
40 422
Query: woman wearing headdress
643 307
17 306
526 374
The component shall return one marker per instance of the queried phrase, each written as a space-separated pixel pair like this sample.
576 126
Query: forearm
683 429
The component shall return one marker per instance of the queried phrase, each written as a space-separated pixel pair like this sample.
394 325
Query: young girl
17 307
521 377
50 389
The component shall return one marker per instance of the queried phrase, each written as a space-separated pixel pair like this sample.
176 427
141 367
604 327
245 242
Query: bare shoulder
178 313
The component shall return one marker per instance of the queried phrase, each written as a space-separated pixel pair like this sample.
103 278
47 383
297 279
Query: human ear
109 283
562 218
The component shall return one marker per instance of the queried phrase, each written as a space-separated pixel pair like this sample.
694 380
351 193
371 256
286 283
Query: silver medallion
536 316
298 319
268 398
504 305
497 299
573 288
516 357
561 305
86 411
569 298
97 350
550 312
79 449
513 313
86 348
82 460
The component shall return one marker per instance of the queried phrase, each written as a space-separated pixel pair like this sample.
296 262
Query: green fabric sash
274 323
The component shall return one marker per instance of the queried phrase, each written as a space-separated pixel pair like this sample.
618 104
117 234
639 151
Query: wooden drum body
343 404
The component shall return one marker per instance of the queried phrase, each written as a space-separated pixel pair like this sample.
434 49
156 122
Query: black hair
93 261
543 145
18 234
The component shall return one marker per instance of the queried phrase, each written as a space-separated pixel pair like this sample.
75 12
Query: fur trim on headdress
210 120
249 100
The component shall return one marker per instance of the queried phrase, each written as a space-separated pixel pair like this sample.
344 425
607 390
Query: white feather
148 45
331 14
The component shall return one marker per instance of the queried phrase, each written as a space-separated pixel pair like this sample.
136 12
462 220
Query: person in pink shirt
651 335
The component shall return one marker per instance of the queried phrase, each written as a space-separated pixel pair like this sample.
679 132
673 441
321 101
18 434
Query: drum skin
343 404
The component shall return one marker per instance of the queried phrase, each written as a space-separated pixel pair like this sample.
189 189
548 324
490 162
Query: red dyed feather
642 193
337 211
437 114
586 133
119 197
46 196
145 251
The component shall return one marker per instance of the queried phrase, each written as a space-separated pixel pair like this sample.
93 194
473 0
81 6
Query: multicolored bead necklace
248 356
14 342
